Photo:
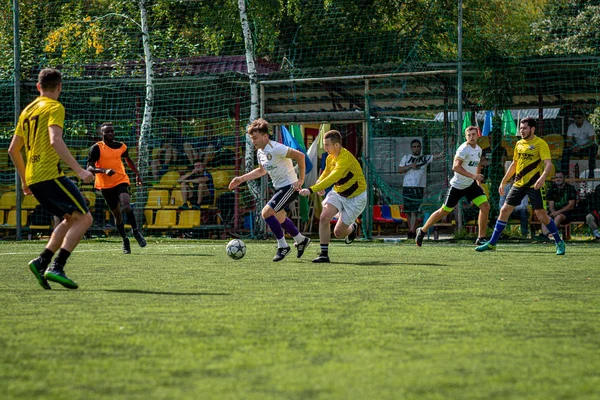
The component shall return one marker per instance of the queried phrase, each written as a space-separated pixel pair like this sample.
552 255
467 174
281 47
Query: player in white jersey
466 182
275 159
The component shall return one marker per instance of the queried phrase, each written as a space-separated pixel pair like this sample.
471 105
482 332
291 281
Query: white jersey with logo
416 177
279 167
471 158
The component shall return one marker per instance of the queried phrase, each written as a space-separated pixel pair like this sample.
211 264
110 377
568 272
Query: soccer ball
236 249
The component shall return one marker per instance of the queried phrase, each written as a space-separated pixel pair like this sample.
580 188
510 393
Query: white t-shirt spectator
581 135
279 167
416 177
471 158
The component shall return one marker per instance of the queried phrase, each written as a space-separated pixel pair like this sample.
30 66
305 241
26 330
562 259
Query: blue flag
487 124
291 142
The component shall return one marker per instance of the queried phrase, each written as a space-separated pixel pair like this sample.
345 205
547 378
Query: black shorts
282 198
454 195
413 197
111 195
537 197
60 196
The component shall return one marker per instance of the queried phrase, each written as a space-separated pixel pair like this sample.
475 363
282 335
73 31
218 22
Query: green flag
296 132
466 121
509 128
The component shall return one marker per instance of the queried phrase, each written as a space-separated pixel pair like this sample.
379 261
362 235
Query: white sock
299 238
281 243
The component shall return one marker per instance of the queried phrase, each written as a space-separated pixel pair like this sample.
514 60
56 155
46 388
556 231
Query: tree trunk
145 132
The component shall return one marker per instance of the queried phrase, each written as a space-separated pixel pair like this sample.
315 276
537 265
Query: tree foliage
303 34
569 27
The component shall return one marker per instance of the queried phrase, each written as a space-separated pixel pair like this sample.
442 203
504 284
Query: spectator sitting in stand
561 201
202 193
581 141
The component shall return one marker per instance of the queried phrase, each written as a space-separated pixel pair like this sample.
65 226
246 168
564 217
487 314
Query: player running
466 182
40 131
276 159
348 197
105 161
532 164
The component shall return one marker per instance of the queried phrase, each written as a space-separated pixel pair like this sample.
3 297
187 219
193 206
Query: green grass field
179 320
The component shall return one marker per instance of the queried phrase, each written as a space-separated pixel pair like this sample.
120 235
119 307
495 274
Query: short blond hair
469 128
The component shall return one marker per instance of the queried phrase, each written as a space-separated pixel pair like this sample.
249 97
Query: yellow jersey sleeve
345 173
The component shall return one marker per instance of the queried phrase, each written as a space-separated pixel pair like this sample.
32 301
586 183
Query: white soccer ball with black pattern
236 249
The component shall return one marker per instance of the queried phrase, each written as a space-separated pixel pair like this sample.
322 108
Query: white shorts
349 209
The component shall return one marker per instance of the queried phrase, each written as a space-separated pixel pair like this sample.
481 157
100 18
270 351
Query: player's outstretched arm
255 173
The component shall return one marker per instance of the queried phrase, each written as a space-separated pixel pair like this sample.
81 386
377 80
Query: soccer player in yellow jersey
105 160
532 164
348 197
40 131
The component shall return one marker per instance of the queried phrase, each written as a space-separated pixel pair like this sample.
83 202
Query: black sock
121 229
324 250
61 257
46 257
131 220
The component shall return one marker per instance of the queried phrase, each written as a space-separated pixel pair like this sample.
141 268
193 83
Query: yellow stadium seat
176 199
168 180
188 219
397 212
165 219
149 215
11 220
157 199
29 203
1 217
556 144
8 201
222 177
91 196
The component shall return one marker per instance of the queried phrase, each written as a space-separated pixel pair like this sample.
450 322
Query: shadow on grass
136 291
176 255
387 264
550 251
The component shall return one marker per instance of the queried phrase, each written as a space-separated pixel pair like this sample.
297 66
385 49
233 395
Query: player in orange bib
105 160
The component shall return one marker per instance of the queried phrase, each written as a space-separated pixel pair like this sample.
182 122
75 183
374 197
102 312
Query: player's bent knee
340 232
267 212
